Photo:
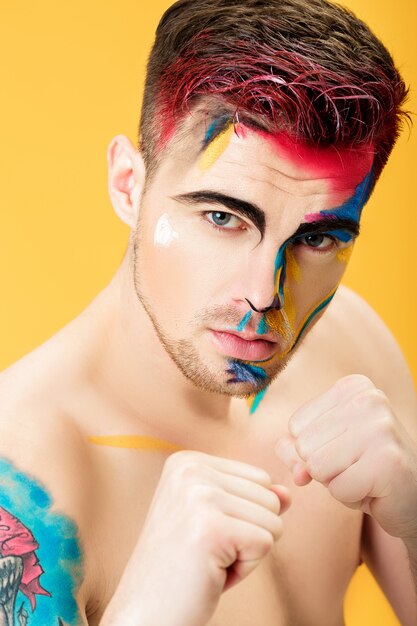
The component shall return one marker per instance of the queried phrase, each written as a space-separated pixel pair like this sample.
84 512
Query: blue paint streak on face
245 373
343 235
352 208
280 263
312 316
263 327
257 400
215 128
59 551
242 325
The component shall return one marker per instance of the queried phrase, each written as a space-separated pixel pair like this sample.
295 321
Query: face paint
343 256
164 233
325 163
352 208
241 327
134 442
263 327
245 372
216 128
255 401
216 148
283 320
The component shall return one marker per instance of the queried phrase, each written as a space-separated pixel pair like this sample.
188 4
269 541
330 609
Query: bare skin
305 575
106 373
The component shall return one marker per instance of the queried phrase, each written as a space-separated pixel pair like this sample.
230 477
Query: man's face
241 243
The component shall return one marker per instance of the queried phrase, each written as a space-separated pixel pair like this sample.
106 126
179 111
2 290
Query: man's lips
245 346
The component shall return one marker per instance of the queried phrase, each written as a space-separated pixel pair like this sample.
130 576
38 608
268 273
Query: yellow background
71 78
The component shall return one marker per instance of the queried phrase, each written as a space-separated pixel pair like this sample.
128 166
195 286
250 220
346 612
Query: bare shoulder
357 334
36 429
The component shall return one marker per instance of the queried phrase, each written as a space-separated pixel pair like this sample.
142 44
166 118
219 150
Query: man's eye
318 241
221 219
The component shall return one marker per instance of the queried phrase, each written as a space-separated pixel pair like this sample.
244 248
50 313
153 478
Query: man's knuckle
189 471
370 397
354 381
303 447
201 494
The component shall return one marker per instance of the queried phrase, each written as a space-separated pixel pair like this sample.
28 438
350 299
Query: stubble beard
186 357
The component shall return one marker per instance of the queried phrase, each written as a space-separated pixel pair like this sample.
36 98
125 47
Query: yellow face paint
134 442
283 321
344 255
216 148
277 280
293 269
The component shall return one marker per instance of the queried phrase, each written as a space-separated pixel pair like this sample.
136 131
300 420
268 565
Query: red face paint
344 168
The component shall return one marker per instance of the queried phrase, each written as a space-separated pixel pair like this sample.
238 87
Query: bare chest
302 581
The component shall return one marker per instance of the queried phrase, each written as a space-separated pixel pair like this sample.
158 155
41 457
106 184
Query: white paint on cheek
164 233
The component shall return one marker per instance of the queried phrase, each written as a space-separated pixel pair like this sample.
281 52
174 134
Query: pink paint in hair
285 89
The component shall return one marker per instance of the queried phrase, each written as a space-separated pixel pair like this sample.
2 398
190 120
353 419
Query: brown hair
309 67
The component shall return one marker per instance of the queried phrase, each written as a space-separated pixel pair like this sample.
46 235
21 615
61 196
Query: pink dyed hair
307 67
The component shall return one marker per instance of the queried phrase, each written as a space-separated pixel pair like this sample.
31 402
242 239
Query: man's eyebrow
246 209
327 224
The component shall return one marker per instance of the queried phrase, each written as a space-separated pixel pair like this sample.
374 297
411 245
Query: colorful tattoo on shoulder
40 555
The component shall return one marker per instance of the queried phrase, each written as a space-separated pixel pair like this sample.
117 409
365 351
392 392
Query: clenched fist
350 440
211 521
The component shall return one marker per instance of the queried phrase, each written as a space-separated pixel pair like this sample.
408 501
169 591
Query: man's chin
242 390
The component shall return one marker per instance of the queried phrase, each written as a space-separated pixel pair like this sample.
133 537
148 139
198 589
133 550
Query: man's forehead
255 165
344 166
342 169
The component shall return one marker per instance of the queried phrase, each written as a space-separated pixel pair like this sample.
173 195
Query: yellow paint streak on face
277 279
344 255
216 148
134 442
293 269
305 318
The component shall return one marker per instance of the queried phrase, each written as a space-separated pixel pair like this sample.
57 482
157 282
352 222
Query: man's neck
130 370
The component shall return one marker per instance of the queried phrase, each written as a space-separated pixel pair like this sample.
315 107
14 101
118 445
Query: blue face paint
280 265
245 373
257 399
215 128
343 235
242 325
312 315
352 208
263 327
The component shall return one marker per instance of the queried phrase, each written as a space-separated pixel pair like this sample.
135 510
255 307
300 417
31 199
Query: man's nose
276 305
260 285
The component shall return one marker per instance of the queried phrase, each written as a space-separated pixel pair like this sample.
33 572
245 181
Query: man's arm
393 561
41 557
359 439
387 559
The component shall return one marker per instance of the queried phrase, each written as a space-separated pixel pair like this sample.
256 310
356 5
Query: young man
150 449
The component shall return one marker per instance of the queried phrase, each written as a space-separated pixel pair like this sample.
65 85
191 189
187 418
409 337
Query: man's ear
126 179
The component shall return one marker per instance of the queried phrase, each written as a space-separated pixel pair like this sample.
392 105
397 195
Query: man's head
306 66
264 128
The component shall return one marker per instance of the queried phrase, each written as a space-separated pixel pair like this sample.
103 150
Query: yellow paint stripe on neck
216 148
134 442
